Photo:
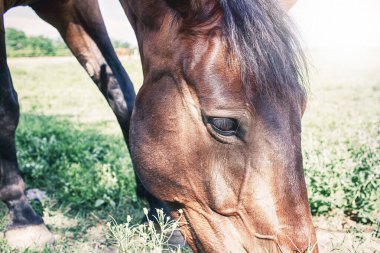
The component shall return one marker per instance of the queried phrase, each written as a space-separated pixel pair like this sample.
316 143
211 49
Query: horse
215 129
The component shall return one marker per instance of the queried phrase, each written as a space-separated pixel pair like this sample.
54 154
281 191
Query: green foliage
347 181
120 44
79 168
41 46
20 45
15 39
342 155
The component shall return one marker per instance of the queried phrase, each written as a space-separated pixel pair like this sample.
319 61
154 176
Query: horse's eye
224 126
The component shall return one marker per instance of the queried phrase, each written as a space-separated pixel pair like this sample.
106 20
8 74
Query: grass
68 135
341 146
341 139
152 237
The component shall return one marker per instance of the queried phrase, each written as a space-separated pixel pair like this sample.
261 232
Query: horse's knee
8 124
110 86
9 111
9 119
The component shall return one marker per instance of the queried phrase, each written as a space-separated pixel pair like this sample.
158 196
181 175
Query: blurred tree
120 44
20 45
41 46
15 39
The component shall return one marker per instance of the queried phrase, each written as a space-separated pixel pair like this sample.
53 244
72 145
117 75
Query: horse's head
216 129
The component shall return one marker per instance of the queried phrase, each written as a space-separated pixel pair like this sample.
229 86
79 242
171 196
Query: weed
152 236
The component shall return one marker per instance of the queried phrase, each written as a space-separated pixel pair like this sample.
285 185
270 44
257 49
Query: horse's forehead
210 70
208 54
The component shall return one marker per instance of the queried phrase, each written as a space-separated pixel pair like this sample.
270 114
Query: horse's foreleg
81 25
26 228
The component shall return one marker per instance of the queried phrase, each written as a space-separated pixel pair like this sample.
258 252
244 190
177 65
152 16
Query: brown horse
216 126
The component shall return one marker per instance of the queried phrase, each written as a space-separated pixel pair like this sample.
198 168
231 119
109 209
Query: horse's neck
8 4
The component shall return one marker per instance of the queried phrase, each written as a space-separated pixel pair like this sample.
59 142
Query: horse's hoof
33 237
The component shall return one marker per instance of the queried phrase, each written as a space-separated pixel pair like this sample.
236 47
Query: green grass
342 152
70 146
341 139
59 150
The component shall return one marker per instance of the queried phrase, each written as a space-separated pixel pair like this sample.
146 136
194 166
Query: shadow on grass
87 176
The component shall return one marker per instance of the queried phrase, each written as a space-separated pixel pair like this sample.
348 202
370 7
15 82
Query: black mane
259 33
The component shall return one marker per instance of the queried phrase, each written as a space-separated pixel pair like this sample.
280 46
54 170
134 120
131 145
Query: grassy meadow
69 145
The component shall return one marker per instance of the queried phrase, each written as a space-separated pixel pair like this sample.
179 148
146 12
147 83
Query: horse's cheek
164 140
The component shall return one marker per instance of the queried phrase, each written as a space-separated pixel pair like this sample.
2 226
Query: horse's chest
8 4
